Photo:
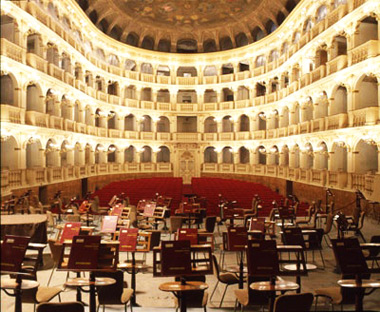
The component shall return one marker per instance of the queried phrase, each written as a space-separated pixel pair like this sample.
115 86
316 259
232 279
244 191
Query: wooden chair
60 307
294 303
224 278
356 226
249 297
175 224
114 294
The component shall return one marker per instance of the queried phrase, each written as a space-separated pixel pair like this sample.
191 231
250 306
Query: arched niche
8 93
66 108
243 93
163 96
88 116
100 154
210 70
146 94
67 154
307 157
130 92
78 155
51 103
112 120
321 108
89 155
129 154
163 155
338 157
244 123
210 155
52 154
130 123
321 160
10 153
368 93
227 155
112 153
163 124
146 154
273 156
366 157
261 121
284 156
294 158
284 117
210 96
244 155
227 124
146 124
210 125
261 155
34 98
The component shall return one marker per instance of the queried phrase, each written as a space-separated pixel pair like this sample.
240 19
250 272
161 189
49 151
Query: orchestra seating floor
232 190
152 299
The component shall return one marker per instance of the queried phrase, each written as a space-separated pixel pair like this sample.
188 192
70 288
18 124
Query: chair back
175 223
361 220
210 224
294 302
374 251
60 307
216 267
329 223
111 294
55 250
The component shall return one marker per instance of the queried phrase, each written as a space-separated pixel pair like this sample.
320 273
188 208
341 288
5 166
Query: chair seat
242 296
228 278
126 295
332 292
45 294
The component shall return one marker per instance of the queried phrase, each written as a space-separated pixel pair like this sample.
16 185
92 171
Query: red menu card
117 210
70 230
188 234
237 238
13 250
149 209
257 224
128 239
84 253
175 258
109 224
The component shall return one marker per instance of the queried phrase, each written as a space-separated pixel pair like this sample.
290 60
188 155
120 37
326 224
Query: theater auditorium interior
190 155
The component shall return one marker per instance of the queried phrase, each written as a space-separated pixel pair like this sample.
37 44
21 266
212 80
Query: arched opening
100 154
112 120
132 39
243 66
338 161
186 96
307 110
260 61
284 117
148 43
296 37
368 93
51 105
210 96
66 63
146 68
89 155
227 69
294 159
243 155
228 95
7 95
163 96
227 124
78 155
257 34
146 154
146 124
130 93
339 46
113 88
111 154
321 13
163 125
261 153
210 71
210 155
187 46
209 46
186 71
100 118
225 43
164 45
284 156
261 121
67 154
243 123
146 94
130 65
307 160
52 154
8 28
321 157
34 154
273 157
321 110
366 157
274 55
273 121
339 105
241 39
270 27
129 123
34 99
34 44
242 93
367 30
308 25
321 58
280 18
163 70
116 32
52 55
227 155
88 116
260 89
295 115
163 156
129 154
9 154
66 108
210 125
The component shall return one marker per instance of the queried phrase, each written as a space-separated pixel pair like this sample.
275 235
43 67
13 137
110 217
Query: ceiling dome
187 26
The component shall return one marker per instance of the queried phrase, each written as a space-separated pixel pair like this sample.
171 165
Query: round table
359 286
13 284
279 285
92 282
179 290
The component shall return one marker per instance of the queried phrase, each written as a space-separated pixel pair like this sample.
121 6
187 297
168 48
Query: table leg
18 295
133 281
79 294
271 300
182 300
92 292
241 271
359 299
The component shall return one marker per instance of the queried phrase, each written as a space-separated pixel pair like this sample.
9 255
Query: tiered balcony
13 51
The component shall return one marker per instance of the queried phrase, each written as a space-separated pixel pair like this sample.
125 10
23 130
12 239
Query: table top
365 283
22 219
10 283
289 247
129 266
236 269
82 281
280 285
369 245
293 267
178 287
